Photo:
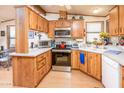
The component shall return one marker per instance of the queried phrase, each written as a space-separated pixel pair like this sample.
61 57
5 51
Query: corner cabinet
78 29
94 65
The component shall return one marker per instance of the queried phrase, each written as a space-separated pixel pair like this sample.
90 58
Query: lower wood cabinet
122 76
92 64
29 71
83 67
75 59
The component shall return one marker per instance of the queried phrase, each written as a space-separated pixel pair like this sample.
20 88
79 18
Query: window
93 29
11 36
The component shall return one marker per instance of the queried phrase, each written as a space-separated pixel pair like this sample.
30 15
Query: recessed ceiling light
96 11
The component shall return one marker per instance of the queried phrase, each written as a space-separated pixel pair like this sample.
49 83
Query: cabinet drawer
41 63
40 57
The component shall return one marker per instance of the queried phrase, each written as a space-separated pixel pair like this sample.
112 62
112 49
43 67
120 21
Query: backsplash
70 41
35 37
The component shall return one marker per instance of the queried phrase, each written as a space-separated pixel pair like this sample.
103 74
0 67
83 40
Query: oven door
61 59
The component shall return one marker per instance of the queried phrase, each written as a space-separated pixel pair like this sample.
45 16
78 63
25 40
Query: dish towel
82 58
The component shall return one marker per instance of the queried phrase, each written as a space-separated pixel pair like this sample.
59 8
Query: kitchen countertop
91 49
32 52
117 58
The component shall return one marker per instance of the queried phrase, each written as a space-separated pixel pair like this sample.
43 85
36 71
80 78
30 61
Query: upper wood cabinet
62 23
40 23
75 59
94 65
121 20
78 29
83 67
45 26
114 22
33 20
36 22
51 29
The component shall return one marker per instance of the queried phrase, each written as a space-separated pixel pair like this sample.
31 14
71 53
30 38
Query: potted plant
104 37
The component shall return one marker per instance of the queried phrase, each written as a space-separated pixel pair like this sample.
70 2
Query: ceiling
79 9
7 12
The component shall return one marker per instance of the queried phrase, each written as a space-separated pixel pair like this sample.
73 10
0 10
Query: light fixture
95 11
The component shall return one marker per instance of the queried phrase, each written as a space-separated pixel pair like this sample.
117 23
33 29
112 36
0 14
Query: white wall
3 27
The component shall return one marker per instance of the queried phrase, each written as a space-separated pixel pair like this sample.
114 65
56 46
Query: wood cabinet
29 71
51 29
62 23
122 76
45 26
91 66
40 24
78 29
83 67
75 59
48 60
33 20
114 22
121 20
94 65
36 22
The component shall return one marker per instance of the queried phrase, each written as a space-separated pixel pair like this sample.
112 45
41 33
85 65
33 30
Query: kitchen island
29 69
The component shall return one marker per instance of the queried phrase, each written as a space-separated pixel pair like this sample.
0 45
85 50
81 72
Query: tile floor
55 79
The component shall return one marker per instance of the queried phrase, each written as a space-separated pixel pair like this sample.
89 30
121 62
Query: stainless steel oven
62 32
61 59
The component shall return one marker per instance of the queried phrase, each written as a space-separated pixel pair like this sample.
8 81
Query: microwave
62 32
44 44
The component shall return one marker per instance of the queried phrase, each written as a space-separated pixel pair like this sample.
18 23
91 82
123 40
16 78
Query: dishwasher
110 73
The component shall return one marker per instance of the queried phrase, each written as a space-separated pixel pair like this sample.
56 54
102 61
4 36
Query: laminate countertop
91 49
117 58
32 52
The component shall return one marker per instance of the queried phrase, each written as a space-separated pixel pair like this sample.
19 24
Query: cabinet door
75 59
62 23
122 76
51 29
78 29
45 26
83 67
114 31
33 20
94 65
48 60
121 20
40 23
